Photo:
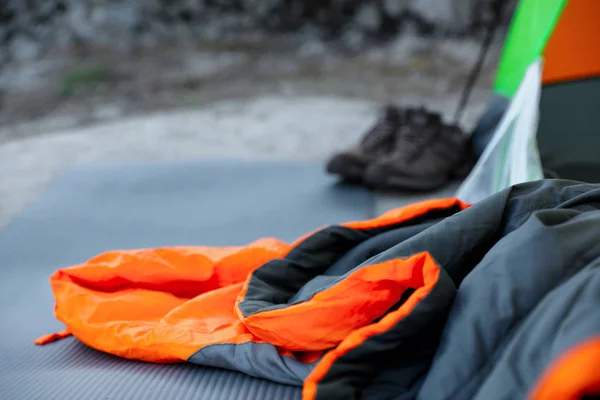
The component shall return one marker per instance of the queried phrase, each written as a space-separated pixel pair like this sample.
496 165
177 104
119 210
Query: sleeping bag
433 301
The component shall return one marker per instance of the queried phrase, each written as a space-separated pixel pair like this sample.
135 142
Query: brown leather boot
375 144
428 154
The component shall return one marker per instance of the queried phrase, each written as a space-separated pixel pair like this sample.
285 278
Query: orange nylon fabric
575 374
425 273
163 305
405 213
53 337
398 215
159 305
332 314
572 51
283 327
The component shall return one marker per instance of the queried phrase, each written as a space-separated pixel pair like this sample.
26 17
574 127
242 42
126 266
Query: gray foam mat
91 209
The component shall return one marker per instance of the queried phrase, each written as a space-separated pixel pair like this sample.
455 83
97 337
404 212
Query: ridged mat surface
91 209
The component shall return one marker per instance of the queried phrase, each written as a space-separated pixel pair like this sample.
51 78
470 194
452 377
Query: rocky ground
68 90
255 97
79 61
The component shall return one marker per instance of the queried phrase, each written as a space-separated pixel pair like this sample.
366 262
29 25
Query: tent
564 34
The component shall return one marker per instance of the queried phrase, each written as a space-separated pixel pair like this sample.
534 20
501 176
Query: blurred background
127 80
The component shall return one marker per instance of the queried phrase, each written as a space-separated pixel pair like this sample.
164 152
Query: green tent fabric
531 27
568 132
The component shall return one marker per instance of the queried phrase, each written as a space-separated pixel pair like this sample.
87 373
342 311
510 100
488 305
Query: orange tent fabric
572 51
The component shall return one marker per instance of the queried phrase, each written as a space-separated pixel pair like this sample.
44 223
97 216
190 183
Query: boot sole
348 173
418 185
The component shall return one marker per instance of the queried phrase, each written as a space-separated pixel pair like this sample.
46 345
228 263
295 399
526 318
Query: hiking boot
428 153
376 143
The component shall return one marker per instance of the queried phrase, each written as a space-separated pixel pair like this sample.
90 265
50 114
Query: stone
196 6
45 7
63 37
24 48
260 8
78 21
312 48
205 65
395 8
4 58
353 39
368 17
449 15
124 16
35 26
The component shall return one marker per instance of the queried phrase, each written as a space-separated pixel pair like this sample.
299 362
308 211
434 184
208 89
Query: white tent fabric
512 155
